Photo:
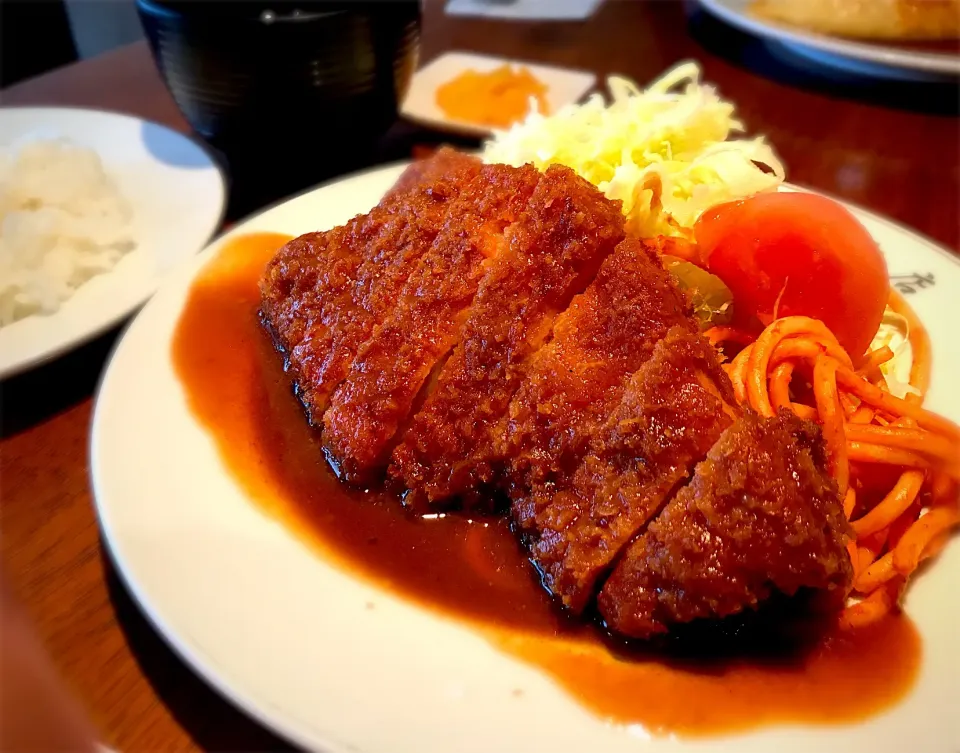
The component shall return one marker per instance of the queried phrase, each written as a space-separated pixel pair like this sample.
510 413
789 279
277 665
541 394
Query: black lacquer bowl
287 91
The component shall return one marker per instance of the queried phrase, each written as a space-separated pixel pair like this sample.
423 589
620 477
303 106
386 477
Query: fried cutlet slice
377 395
554 250
572 383
760 515
294 283
289 284
395 246
323 292
303 279
672 411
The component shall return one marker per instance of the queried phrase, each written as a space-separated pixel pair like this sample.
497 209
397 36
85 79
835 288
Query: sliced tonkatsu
393 365
489 330
760 515
554 251
570 385
324 292
444 164
671 412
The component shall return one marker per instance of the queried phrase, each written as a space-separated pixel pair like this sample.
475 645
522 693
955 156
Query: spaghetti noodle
864 426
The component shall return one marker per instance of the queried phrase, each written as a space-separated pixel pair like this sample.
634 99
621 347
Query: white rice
62 221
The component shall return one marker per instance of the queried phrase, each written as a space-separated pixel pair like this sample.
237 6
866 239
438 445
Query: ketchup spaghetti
797 364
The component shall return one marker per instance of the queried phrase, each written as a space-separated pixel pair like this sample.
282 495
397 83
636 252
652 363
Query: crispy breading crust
555 249
761 514
324 292
671 412
375 399
571 384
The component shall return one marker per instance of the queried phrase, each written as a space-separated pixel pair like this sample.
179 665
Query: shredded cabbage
894 332
665 152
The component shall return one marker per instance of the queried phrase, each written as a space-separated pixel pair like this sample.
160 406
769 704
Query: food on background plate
894 20
497 98
62 222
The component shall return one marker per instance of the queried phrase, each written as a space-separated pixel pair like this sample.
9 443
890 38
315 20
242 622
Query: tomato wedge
785 254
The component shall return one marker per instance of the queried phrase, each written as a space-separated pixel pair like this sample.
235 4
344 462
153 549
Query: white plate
285 634
875 59
564 87
178 197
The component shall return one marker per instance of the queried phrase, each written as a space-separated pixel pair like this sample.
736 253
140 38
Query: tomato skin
787 254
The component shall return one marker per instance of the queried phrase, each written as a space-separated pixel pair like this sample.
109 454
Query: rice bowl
62 221
172 193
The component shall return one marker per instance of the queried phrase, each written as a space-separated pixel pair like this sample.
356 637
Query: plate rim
276 720
851 49
48 355
199 666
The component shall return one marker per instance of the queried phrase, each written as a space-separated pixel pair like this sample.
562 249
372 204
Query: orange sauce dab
474 570
497 98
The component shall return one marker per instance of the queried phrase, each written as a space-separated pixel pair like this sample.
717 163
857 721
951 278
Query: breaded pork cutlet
296 281
488 328
376 398
323 292
554 251
573 382
394 248
760 515
672 411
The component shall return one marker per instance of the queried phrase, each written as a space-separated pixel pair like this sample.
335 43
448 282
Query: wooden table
890 147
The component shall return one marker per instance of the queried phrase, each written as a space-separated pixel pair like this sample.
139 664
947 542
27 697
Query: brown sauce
475 570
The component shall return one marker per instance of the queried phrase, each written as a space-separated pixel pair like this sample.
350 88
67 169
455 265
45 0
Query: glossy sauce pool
475 570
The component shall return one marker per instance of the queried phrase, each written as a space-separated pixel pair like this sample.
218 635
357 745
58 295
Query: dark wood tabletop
892 147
